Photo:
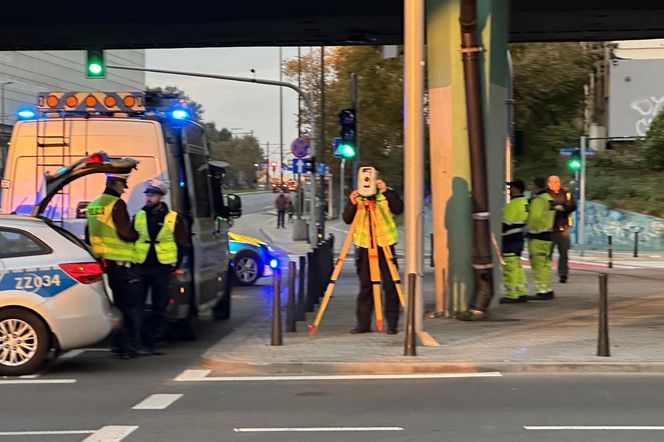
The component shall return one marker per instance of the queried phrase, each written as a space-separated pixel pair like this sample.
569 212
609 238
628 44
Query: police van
155 129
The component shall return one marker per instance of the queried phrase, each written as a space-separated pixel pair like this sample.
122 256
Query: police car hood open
97 162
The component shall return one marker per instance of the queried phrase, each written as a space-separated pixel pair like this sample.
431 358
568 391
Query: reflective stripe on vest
387 233
104 239
164 245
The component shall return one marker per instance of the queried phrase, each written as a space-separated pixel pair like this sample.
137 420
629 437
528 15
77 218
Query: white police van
52 294
155 129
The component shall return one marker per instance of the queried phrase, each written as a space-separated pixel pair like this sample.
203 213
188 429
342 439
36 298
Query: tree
380 115
240 152
654 143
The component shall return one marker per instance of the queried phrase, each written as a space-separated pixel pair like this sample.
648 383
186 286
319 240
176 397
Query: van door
210 248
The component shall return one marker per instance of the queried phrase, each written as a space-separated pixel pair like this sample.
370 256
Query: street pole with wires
281 122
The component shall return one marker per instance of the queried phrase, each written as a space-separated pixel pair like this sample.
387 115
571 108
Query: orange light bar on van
129 101
71 101
110 101
90 101
52 101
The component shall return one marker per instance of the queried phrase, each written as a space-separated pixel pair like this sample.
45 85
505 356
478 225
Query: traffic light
348 144
310 164
95 66
575 162
274 166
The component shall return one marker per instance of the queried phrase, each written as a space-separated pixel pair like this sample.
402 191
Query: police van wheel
24 342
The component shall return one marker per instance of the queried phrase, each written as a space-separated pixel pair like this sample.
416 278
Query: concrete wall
31 72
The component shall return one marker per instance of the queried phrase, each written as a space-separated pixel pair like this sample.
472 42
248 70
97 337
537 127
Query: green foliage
654 143
242 153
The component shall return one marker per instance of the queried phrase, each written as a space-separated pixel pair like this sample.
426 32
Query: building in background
24 74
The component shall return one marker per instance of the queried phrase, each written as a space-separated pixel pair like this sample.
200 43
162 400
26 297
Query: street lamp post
310 110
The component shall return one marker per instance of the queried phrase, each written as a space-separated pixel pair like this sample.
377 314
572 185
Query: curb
407 367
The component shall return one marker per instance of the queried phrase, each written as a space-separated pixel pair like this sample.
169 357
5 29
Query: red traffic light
274 165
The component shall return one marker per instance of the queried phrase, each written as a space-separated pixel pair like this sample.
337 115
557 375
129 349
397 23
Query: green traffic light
95 67
347 151
574 164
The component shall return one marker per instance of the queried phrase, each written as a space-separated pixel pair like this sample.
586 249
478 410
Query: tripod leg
374 269
394 272
335 275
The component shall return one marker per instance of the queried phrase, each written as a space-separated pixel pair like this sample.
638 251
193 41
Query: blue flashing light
26 114
181 183
274 263
180 114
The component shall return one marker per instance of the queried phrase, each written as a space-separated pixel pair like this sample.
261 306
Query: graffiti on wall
647 108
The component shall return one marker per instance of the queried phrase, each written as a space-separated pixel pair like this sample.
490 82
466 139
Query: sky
239 107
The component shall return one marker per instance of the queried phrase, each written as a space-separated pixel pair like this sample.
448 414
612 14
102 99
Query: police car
252 258
52 294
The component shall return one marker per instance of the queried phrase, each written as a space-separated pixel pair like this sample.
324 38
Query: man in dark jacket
388 203
162 242
564 204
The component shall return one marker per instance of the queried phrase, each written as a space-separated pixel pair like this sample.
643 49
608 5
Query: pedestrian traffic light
575 162
310 164
348 145
274 166
95 67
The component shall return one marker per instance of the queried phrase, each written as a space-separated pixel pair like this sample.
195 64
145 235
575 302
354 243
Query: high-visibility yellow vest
515 214
387 233
164 244
104 238
540 214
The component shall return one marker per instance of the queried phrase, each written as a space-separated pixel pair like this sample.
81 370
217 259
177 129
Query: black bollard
290 306
277 338
411 342
301 307
603 337
431 262
636 244
311 282
610 252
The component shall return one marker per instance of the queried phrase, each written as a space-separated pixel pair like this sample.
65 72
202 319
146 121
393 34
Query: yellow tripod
366 208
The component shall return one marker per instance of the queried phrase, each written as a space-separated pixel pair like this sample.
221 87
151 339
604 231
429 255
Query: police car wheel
247 267
24 342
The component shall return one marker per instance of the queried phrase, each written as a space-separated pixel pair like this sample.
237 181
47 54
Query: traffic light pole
582 196
355 105
310 110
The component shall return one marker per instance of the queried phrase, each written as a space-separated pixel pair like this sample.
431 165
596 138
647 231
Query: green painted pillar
450 163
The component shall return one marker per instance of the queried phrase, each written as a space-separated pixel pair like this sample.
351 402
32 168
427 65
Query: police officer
158 251
111 235
388 203
515 214
564 205
539 226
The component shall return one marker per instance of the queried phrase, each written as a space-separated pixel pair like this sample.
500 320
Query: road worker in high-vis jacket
111 237
162 241
515 214
539 225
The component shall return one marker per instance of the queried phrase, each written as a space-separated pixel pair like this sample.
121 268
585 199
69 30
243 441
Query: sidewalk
550 336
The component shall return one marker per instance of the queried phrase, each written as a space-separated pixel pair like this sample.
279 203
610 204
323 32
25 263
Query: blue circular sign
300 147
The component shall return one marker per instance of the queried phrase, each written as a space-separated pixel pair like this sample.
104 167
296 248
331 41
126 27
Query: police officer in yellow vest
111 237
388 203
515 214
541 216
158 251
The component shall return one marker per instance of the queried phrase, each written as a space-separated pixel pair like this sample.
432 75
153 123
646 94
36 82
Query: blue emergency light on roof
26 114
180 114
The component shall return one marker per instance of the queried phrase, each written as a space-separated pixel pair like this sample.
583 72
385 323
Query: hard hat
156 187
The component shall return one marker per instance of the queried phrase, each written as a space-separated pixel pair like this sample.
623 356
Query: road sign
299 165
322 168
300 147
567 152
335 147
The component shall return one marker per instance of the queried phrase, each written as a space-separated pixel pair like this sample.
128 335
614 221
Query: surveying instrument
366 211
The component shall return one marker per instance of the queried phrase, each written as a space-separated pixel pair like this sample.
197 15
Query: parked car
251 258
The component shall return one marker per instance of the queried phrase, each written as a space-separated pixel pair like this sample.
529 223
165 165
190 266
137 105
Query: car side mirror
234 204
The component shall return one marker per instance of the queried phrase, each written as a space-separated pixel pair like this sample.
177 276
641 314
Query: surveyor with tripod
384 203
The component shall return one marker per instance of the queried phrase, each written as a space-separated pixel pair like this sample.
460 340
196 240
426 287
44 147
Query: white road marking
36 381
313 429
157 402
71 354
202 376
111 433
595 428
28 376
45 433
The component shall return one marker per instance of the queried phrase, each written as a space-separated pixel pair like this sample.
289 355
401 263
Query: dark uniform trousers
561 240
365 301
156 278
125 284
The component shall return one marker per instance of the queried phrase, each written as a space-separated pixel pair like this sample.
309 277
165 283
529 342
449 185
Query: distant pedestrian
564 205
540 224
515 214
281 204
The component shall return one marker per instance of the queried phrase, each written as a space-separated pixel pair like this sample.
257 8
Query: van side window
199 167
16 243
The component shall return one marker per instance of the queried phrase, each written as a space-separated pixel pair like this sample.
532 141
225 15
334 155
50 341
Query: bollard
276 309
301 307
431 262
311 283
603 338
411 343
610 252
290 305
636 244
